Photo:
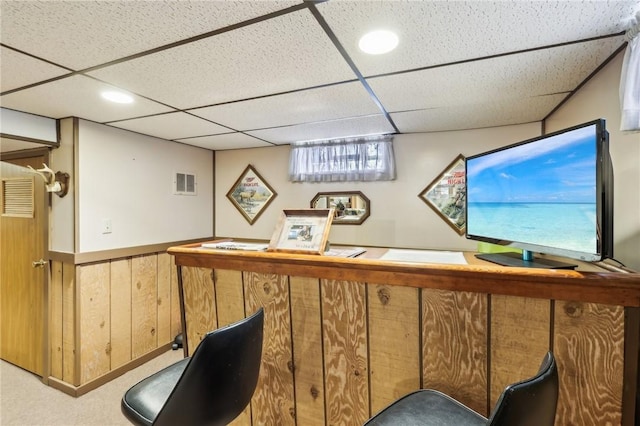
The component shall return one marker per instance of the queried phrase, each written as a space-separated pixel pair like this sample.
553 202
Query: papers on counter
425 256
232 245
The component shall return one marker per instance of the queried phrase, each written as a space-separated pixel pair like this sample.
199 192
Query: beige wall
599 99
398 217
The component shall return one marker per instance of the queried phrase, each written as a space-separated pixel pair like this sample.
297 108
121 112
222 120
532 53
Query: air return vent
17 197
184 184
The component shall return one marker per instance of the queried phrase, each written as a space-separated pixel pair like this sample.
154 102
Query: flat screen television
552 194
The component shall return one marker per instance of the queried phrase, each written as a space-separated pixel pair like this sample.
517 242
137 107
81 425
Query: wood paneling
144 296
454 348
70 325
306 333
164 298
394 343
273 402
100 310
520 330
230 292
338 350
95 321
589 345
199 305
176 316
55 327
121 327
344 322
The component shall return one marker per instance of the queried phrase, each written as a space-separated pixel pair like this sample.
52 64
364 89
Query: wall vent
184 184
17 197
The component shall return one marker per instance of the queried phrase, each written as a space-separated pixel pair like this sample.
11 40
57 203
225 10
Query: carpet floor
26 401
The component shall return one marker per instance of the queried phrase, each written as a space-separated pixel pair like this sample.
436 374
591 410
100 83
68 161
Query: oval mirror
351 207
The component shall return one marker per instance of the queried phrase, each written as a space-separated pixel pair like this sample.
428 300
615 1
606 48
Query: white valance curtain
630 80
342 160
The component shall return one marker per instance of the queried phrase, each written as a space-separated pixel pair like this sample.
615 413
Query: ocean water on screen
569 226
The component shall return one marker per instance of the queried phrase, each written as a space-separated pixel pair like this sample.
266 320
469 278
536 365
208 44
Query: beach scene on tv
541 192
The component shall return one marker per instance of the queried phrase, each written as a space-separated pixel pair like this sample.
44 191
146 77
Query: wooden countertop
586 284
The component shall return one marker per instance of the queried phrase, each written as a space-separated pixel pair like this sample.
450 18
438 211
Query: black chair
531 402
212 387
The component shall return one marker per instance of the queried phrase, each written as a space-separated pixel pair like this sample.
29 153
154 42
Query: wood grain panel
520 330
95 323
344 321
164 299
144 293
229 295
55 323
589 348
307 349
230 308
454 348
121 351
273 402
394 343
70 324
176 317
199 305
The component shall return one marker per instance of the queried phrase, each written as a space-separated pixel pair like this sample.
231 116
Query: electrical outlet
106 226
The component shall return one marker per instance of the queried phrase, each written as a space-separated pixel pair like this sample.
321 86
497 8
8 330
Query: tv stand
524 260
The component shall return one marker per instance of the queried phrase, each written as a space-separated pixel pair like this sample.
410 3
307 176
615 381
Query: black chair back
531 402
220 378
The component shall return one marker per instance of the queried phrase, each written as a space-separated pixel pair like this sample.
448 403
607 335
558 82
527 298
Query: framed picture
446 195
302 231
251 194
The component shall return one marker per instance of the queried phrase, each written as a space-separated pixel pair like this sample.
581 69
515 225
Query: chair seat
144 400
427 407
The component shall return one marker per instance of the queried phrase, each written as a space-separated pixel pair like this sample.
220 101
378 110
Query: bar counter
344 337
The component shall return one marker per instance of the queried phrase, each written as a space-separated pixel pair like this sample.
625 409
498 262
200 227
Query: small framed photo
251 194
302 231
447 193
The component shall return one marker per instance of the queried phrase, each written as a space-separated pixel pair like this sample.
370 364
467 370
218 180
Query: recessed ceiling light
378 42
118 97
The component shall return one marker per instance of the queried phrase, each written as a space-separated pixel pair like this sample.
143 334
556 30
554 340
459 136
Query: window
342 160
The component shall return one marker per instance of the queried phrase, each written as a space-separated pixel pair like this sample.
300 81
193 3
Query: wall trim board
104 255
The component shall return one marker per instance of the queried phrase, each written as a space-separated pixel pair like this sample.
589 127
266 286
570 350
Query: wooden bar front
345 337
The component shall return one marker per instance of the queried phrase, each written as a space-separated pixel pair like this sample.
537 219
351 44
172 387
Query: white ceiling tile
491 113
540 72
80 34
284 53
325 103
77 96
20 70
358 126
227 141
175 125
436 32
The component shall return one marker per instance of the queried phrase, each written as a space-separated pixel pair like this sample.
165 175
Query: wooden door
24 267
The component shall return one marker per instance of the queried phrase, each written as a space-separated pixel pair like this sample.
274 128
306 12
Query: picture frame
251 194
303 231
446 195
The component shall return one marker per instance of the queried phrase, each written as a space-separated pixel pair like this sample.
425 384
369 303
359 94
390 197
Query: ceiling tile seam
332 120
36 57
191 109
199 37
224 134
494 56
586 80
286 92
327 29
168 46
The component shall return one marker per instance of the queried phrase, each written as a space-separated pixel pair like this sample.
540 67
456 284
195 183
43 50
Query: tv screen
552 194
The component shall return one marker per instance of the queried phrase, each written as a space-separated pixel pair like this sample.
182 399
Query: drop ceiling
241 74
